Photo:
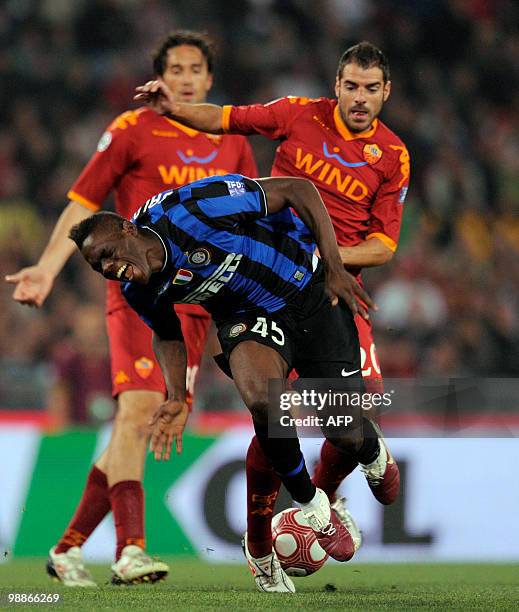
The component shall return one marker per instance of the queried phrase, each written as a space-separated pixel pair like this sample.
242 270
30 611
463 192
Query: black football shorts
313 337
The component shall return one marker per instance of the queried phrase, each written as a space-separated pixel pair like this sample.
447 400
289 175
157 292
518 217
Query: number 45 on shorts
275 332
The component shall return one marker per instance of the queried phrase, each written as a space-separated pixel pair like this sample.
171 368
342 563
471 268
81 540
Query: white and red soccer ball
295 543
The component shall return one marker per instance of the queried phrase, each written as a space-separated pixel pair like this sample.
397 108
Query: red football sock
332 469
262 490
127 500
93 507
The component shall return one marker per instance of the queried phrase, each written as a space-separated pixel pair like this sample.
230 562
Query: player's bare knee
258 407
129 419
136 409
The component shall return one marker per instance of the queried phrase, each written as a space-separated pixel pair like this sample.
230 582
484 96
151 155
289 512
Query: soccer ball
295 544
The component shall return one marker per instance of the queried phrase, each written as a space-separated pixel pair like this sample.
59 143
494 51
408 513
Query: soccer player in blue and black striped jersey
233 245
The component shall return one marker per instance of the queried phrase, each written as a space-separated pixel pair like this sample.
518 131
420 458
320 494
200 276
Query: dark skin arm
169 421
303 197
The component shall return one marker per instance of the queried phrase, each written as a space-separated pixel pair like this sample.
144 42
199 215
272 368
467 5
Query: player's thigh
127 450
253 365
137 407
133 362
370 365
127 446
257 349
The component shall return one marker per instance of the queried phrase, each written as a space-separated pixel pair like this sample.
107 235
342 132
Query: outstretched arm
202 117
169 421
303 197
33 284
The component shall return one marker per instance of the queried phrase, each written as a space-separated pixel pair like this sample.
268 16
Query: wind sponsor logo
329 174
180 175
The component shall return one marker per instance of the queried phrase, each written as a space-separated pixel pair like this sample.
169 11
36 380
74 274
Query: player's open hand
33 285
157 95
340 284
168 425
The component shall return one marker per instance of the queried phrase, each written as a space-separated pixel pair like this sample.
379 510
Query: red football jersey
362 178
143 153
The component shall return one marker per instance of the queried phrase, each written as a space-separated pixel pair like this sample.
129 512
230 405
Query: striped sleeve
229 201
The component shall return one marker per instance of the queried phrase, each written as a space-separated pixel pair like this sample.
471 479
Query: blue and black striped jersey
223 250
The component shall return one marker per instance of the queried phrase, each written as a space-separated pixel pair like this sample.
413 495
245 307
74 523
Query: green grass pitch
194 585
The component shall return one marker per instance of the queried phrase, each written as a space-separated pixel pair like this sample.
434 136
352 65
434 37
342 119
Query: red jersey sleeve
271 120
114 155
386 213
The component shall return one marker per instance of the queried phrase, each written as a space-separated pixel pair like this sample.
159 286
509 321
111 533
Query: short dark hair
366 55
105 219
182 37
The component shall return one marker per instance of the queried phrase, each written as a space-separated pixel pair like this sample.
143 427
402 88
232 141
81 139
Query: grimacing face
186 74
117 256
361 95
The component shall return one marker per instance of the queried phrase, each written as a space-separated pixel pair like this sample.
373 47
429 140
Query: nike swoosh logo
344 373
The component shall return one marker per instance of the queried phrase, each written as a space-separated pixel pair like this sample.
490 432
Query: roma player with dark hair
140 154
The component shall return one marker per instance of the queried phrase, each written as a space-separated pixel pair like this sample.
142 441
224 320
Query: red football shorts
134 366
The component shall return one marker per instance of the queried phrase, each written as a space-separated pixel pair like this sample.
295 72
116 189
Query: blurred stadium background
449 302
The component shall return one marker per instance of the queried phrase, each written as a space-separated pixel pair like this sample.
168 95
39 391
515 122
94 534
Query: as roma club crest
372 153
144 367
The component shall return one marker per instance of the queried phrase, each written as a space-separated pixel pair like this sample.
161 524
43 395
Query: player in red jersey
140 154
361 169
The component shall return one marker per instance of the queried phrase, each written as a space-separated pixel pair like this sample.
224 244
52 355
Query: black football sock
370 448
288 462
